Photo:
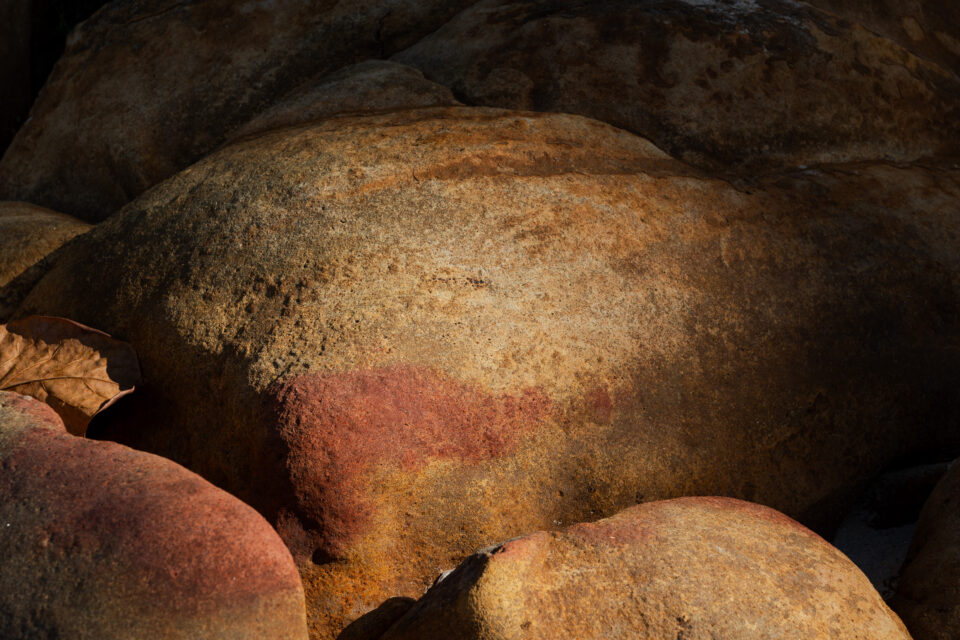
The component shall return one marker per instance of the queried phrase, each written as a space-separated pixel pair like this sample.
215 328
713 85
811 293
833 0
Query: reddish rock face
736 86
405 337
692 568
928 593
147 87
154 547
339 427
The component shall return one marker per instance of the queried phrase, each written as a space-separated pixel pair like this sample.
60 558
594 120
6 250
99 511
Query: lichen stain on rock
339 427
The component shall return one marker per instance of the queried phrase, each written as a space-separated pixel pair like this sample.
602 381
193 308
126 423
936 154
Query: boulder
928 28
692 568
734 85
27 235
103 542
928 594
365 87
146 87
406 336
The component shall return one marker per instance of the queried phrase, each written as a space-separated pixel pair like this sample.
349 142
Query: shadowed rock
366 87
929 28
146 87
736 85
406 336
928 595
103 542
693 569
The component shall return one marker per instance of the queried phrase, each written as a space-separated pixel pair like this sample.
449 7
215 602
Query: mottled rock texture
101 542
692 568
27 235
146 87
742 84
928 28
407 336
362 88
928 596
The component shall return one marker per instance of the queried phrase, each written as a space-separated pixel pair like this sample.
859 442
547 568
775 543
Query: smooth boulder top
377 330
735 86
147 87
101 542
28 234
692 568
928 593
366 87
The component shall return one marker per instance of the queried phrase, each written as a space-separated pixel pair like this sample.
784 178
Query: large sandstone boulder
693 568
744 84
146 87
27 235
103 542
928 595
362 88
929 28
407 336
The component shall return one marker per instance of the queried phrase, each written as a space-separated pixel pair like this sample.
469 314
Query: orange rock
407 336
734 85
147 87
692 568
928 594
27 235
100 541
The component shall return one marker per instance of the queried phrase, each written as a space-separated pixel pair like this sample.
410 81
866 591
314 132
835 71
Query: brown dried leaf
76 370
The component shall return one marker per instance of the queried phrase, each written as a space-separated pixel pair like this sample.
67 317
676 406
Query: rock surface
928 596
365 87
146 87
27 235
742 84
928 28
406 336
692 568
101 542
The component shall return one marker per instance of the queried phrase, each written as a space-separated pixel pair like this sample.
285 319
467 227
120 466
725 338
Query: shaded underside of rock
362 88
146 87
101 542
692 568
405 337
27 235
928 594
731 85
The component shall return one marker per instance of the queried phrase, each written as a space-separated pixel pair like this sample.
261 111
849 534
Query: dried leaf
76 370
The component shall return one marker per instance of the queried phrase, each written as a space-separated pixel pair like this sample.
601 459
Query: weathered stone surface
146 87
692 568
102 542
406 336
928 595
365 87
27 235
929 28
730 84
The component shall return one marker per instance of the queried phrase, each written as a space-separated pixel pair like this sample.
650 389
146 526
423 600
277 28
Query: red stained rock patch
340 427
